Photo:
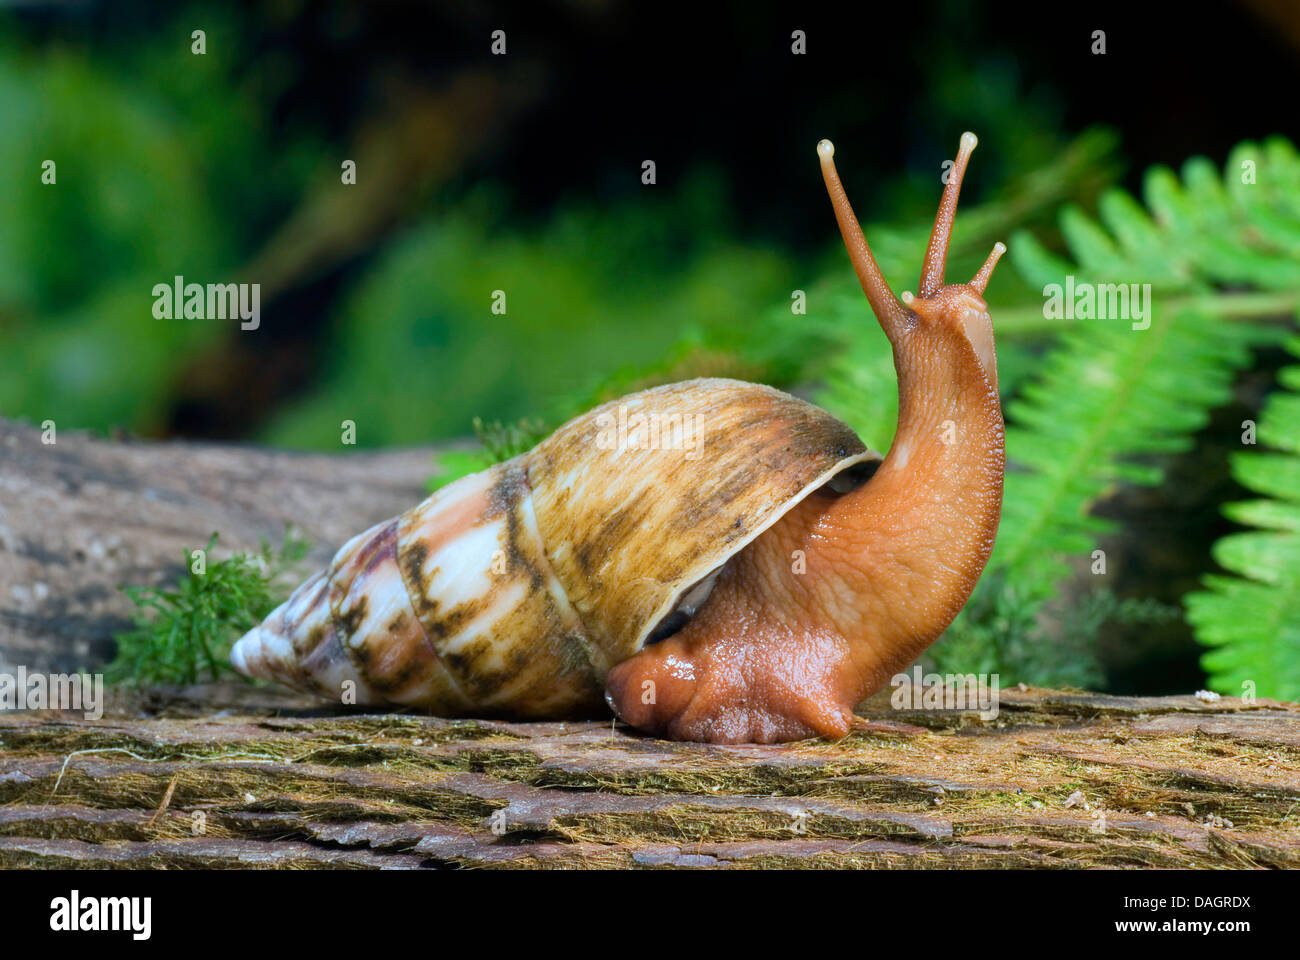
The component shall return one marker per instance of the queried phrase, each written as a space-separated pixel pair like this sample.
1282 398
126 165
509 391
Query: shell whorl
628 531
450 607
515 590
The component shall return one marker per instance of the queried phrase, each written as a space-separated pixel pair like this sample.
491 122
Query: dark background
371 296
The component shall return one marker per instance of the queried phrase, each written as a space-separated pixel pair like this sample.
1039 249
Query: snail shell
514 591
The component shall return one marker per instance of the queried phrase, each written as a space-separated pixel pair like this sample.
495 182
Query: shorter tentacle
981 279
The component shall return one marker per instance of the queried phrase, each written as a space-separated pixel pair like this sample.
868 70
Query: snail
715 560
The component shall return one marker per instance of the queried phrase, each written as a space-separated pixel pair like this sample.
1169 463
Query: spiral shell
515 590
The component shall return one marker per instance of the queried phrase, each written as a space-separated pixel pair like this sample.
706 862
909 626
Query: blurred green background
523 173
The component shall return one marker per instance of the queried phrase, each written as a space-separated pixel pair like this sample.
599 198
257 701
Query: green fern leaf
1252 621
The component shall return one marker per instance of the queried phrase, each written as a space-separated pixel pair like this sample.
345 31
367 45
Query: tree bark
236 775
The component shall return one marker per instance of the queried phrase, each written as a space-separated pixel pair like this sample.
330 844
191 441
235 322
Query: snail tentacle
892 315
936 255
981 279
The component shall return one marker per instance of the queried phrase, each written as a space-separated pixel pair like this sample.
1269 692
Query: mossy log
241 776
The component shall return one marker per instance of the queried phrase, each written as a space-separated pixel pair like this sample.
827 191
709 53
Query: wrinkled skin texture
776 654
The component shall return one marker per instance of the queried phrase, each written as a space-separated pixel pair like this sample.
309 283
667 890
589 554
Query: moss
184 633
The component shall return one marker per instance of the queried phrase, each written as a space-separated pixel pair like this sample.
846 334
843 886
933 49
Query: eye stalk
936 256
896 317
893 316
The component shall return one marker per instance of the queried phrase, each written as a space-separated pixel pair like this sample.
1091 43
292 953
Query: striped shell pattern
512 592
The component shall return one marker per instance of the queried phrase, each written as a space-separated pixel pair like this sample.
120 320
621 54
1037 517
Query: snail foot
750 688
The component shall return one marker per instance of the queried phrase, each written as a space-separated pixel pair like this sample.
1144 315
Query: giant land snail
657 577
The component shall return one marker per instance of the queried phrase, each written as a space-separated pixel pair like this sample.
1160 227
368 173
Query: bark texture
228 776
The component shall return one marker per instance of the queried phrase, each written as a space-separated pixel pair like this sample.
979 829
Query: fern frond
1111 396
1252 620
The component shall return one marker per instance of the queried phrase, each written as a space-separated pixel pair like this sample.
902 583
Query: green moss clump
184 634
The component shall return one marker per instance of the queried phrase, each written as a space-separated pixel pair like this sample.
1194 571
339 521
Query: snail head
955 308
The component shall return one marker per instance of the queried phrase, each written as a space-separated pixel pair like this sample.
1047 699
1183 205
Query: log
247 777
82 516
240 775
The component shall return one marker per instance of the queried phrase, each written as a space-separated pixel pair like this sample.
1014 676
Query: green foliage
141 162
1002 629
184 634
1252 620
502 441
72 321
419 350
148 138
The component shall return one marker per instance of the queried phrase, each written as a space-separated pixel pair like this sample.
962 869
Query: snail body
715 560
